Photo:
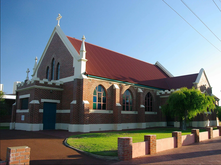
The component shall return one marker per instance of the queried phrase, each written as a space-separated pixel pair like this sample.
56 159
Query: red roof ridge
110 50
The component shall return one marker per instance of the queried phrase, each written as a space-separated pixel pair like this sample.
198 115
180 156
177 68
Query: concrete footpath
47 148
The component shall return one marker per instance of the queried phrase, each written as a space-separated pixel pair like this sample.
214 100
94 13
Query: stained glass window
127 101
99 98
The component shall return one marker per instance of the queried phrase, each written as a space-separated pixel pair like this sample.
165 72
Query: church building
81 87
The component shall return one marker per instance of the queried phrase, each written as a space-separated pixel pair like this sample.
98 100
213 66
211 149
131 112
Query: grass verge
4 127
106 143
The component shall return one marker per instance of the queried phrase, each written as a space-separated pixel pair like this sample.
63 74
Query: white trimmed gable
202 79
74 53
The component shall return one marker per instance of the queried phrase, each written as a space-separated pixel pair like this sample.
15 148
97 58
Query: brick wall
18 155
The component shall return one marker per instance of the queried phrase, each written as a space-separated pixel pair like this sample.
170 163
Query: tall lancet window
58 72
52 69
148 102
99 98
127 101
47 73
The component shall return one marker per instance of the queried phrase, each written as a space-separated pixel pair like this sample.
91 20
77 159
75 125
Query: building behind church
81 87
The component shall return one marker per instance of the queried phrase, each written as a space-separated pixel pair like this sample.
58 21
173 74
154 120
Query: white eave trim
66 42
11 97
200 75
164 69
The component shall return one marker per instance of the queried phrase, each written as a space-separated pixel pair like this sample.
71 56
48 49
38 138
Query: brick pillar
210 132
178 137
18 155
140 107
152 143
196 134
125 148
117 106
219 127
73 113
34 111
141 114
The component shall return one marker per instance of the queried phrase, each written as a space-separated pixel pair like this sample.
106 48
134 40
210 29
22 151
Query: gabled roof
112 65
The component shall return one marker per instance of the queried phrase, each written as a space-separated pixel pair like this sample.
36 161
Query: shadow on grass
106 153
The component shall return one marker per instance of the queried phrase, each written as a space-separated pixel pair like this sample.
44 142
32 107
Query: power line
217 5
191 26
200 20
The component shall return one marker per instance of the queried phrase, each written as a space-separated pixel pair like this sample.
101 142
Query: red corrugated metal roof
175 82
112 65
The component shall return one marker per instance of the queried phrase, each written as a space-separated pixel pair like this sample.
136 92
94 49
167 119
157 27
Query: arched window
127 101
52 69
58 72
99 98
47 73
148 102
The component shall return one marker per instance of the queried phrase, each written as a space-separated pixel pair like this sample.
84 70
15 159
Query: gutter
123 82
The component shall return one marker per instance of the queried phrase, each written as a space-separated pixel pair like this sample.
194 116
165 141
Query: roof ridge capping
163 69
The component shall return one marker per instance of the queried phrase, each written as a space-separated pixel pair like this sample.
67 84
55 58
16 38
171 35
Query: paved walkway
47 148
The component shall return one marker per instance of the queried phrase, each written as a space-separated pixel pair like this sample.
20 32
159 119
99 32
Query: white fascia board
10 97
202 71
66 42
163 69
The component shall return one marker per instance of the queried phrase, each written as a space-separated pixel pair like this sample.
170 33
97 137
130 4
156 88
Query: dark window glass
98 106
52 70
24 103
47 73
148 102
58 71
127 101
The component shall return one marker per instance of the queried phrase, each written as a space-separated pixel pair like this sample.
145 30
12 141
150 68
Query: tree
218 109
3 110
188 103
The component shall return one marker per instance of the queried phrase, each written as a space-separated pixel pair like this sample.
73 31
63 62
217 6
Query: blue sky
148 30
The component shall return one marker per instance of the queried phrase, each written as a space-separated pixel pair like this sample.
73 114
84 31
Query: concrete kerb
107 158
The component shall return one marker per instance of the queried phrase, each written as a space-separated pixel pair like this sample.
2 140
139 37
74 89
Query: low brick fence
128 150
17 155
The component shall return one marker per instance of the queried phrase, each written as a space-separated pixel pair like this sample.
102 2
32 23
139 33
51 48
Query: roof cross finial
58 18
27 74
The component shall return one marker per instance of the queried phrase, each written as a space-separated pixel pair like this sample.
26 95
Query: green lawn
106 143
4 127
